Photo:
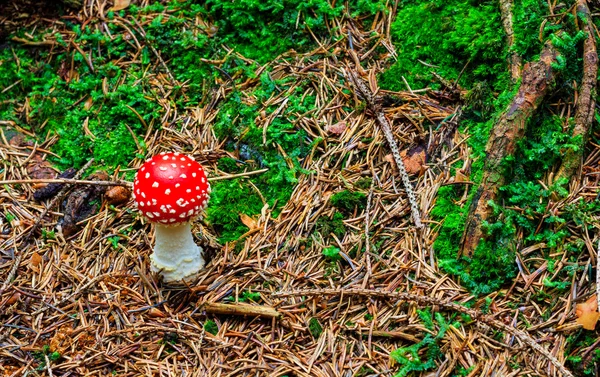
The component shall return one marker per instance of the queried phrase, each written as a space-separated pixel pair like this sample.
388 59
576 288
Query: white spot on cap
148 203
193 200
172 211
141 204
189 164
163 168
163 208
171 220
143 195
156 214
173 158
137 182
143 168
194 174
183 176
197 187
182 216
177 185
190 212
182 158
167 191
137 191
147 175
203 180
165 157
162 153
174 165
149 215
176 153
153 163
170 177
154 201
164 221
155 184
182 166
188 191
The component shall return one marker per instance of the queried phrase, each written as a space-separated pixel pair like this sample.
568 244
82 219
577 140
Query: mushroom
171 190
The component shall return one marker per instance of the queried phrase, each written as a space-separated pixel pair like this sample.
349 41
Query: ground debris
81 203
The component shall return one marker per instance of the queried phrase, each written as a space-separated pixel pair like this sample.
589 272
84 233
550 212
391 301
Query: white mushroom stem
176 257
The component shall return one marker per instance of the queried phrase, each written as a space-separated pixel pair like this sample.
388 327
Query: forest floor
309 220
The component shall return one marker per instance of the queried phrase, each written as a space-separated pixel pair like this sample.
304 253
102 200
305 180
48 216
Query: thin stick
432 301
598 273
240 309
73 181
364 92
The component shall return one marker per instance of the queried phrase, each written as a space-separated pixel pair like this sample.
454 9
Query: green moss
346 201
211 327
458 34
332 253
325 226
315 328
411 359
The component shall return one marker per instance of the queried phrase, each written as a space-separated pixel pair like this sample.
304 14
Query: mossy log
586 103
536 81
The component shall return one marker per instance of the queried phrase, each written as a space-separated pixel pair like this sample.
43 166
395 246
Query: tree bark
586 103
507 23
536 81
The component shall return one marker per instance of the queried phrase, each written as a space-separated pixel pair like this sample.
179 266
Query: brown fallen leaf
13 299
36 259
338 128
414 160
587 313
120 5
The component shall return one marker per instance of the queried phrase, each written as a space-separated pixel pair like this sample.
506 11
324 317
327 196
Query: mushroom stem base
176 257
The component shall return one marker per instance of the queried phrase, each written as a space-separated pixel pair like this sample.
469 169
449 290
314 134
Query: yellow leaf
248 221
587 313
120 5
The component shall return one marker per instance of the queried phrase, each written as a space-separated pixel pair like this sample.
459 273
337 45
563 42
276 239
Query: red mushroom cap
171 188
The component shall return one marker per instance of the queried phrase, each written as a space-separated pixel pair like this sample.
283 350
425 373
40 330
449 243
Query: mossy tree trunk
586 100
536 81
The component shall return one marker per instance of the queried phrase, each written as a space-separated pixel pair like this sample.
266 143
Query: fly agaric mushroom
171 190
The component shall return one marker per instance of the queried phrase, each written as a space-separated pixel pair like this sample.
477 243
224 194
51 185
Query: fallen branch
115 183
477 316
536 81
365 93
586 103
240 309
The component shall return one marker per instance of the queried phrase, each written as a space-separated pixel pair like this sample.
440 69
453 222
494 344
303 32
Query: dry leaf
120 5
249 221
414 160
587 313
338 128
36 259
13 299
